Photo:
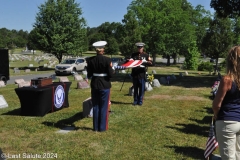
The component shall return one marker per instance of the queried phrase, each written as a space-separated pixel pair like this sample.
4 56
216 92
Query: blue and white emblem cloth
59 96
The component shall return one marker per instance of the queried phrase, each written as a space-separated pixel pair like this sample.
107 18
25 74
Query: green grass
173 122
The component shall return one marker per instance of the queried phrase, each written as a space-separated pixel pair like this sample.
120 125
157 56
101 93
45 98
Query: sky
20 14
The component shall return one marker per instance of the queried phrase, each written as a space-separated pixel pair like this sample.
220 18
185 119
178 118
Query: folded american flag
212 143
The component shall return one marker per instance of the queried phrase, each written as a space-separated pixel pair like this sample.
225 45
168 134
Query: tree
112 47
179 33
192 57
200 20
236 30
4 37
109 30
129 33
32 41
165 26
226 8
219 38
59 28
94 37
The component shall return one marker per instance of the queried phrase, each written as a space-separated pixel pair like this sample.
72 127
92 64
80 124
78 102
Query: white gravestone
87 107
78 78
3 103
84 73
82 85
148 86
156 83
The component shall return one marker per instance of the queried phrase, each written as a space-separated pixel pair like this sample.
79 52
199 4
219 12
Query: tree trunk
168 60
153 59
216 67
174 58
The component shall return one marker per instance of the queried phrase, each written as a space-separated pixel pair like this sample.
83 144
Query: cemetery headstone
156 83
2 84
131 91
148 86
63 79
16 70
87 107
3 102
84 73
173 77
163 80
27 70
82 85
78 78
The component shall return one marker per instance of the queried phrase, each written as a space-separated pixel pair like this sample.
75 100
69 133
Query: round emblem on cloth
59 96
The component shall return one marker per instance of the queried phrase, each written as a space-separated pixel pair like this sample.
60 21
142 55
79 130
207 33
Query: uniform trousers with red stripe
100 102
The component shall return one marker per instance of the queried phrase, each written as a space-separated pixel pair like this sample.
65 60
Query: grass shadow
15 112
191 129
205 120
193 152
66 122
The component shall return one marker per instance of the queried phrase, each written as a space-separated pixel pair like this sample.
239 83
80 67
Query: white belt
100 74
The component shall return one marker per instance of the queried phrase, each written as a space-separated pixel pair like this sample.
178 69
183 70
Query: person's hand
215 117
149 62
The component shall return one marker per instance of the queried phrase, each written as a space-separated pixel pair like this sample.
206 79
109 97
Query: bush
205 66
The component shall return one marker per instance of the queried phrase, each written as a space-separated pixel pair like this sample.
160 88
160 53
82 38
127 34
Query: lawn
173 122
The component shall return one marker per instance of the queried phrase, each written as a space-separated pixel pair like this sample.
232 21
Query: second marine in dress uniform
139 74
100 71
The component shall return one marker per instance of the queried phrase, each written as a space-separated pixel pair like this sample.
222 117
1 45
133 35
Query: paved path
28 77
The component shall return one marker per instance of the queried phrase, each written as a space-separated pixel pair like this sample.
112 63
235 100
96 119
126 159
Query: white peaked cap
140 44
99 44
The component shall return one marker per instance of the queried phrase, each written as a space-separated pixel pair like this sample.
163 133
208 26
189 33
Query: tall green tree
236 30
60 28
192 57
226 8
129 33
219 38
107 32
178 31
165 26
200 20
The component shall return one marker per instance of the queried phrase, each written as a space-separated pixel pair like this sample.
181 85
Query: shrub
205 66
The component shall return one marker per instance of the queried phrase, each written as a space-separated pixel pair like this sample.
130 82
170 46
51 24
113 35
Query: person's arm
225 85
110 69
149 60
89 70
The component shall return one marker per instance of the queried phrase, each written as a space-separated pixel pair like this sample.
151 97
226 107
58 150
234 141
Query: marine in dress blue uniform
139 74
100 71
